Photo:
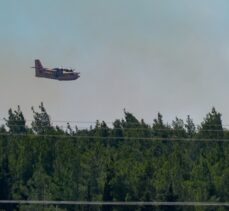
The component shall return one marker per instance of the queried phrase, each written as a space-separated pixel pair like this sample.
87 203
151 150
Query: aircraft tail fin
38 67
38 64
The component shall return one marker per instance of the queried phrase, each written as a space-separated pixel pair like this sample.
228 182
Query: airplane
60 74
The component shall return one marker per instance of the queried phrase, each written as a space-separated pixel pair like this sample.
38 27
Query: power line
117 203
107 122
123 128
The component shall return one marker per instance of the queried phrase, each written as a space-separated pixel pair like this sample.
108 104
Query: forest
129 160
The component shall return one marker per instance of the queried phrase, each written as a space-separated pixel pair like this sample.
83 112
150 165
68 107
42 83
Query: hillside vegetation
130 161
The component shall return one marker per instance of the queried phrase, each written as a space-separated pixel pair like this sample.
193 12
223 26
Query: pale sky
146 56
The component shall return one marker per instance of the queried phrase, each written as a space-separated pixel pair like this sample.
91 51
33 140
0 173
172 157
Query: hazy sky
143 55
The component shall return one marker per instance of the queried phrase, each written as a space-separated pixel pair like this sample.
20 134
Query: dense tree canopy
130 161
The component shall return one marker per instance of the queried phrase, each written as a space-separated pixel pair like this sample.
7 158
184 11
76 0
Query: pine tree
41 123
190 127
16 121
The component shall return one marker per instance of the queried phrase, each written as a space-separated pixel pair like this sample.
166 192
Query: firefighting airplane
60 74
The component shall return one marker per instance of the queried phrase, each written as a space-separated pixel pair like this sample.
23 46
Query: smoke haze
144 56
